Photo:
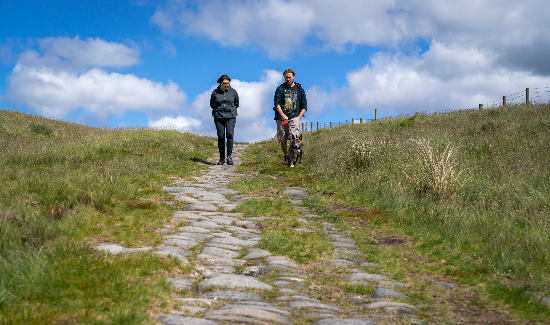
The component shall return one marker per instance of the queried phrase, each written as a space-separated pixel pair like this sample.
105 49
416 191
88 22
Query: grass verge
66 187
460 197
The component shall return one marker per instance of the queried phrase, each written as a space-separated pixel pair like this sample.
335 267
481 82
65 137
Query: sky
144 63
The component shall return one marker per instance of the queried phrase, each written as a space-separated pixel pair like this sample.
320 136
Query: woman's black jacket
224 104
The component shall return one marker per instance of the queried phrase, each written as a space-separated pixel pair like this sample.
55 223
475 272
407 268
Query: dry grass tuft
435 171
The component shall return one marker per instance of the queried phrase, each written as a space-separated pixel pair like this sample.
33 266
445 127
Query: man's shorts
284 132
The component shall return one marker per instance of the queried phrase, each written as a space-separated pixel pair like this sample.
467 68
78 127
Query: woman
224 102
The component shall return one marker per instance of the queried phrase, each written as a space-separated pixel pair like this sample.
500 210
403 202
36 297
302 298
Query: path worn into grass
229 284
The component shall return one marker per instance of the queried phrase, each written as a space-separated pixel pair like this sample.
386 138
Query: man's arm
277 106
302 112
303 107
280 111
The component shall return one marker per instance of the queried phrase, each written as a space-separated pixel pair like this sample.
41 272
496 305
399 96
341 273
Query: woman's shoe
220 162
229 160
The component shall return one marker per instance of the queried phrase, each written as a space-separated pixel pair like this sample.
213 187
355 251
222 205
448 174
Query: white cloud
255 113
91 52
275 25
445 77
515 31
180 123
67 76
318 99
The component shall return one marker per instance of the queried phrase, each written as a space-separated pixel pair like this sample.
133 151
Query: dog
296 151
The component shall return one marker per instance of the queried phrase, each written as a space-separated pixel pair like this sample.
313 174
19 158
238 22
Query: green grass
276 207
469 189
359 289
66 187
498 209
299 246
278 235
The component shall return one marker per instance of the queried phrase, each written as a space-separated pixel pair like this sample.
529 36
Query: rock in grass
179 320
312 305
343 321
233 281
282 261
295 298
194 229
225 253
199 302
205 224
256 253
250 313
233 241
192 309
355 277
383 292
173 251
296 192
180 284
201 207
232 295
183 243
252 270
445 285
193 235
117 249
392 307
219 261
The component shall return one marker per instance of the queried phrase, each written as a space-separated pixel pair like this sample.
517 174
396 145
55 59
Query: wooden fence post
352 121
527 101
503 101
361 120
375 112
317 125
346 122
480 107
311 127
330 125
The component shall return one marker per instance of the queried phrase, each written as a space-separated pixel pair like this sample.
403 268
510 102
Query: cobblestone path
225 287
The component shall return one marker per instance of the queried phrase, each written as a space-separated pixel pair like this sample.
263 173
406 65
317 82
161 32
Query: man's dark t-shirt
291 99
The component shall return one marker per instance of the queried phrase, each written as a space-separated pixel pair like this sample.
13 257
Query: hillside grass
462 196
66 187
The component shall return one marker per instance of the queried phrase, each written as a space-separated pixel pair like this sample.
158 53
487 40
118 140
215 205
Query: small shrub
433 171
40 128
363 153
410 121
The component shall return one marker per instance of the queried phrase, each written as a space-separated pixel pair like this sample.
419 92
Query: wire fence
527 96
541 95
313 126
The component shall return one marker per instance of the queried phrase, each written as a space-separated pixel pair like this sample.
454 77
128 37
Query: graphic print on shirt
291 100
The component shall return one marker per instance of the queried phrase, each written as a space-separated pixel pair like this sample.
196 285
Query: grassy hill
463 195
65 187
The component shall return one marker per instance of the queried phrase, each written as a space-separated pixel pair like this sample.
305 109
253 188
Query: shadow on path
202 161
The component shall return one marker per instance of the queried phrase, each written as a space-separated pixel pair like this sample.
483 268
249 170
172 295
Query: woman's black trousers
225 128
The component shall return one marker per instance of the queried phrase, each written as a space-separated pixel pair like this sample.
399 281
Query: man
290 105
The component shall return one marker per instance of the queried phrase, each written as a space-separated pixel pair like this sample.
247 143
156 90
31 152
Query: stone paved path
218 244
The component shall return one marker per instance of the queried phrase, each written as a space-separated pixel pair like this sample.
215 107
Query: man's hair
223 77
289 71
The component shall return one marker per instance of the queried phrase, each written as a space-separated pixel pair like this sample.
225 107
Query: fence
313 126
528 96
537 96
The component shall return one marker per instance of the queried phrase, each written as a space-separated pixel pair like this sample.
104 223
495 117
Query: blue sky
148 63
